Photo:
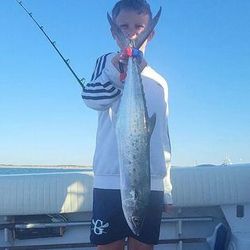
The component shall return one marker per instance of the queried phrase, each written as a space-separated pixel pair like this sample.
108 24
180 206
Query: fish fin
151 124
142 37
117 32
145 34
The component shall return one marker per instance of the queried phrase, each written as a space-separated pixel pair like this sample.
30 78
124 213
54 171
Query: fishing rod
53 43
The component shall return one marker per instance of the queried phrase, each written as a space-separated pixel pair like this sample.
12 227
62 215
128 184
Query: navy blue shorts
109 224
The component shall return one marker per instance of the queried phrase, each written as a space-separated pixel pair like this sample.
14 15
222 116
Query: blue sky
200 47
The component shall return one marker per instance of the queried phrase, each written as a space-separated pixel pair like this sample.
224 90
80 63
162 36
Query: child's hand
116 60
168 208
122 58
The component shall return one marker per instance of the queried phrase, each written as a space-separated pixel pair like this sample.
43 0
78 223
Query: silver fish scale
133 141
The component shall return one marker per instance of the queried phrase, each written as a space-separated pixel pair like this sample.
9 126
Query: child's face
132 24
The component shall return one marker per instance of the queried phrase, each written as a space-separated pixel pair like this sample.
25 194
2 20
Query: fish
133 129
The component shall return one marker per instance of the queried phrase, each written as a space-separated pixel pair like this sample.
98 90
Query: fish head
136 223
134 212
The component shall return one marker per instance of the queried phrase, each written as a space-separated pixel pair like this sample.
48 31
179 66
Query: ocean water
16 169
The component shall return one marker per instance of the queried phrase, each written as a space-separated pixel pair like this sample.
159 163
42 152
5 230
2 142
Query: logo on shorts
98 226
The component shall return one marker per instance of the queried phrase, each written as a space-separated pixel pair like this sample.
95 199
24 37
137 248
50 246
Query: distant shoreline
68 166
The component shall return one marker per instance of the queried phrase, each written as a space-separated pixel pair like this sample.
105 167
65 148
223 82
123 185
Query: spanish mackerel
133 132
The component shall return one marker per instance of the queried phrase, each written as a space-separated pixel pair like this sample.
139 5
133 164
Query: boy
109 227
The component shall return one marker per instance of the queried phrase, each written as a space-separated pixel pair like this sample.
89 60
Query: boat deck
51 208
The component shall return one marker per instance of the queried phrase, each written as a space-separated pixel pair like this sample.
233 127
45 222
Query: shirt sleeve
104 87
167 154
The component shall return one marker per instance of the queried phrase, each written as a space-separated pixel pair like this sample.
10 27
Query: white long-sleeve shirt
103 93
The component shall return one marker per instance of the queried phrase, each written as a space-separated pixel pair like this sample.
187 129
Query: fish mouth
136 224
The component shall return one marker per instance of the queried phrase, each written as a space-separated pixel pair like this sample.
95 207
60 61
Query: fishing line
53 43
